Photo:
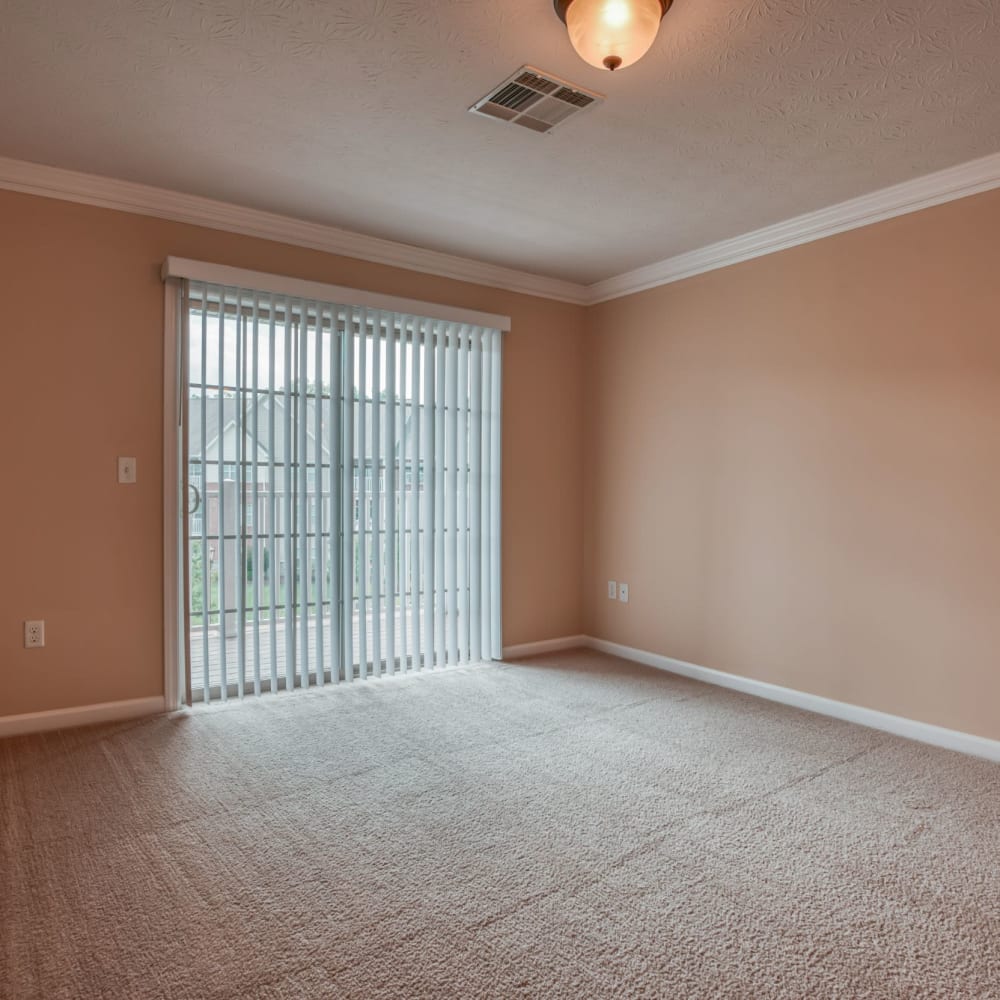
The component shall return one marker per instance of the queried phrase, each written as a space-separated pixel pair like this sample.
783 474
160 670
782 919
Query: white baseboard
83 715
923 732
544 646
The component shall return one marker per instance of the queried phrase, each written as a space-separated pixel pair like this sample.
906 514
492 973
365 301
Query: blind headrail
261 281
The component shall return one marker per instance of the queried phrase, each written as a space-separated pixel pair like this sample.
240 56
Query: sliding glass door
342 483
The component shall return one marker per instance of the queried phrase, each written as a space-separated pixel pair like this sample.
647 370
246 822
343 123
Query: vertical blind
342 475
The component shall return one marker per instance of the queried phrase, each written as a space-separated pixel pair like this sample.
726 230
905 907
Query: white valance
279 284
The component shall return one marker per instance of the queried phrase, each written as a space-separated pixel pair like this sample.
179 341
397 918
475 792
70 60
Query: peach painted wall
795 464
81 382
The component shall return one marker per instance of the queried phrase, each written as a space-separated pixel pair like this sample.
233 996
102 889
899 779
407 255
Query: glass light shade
611 34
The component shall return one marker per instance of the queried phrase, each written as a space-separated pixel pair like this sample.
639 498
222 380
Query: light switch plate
612 590
623 593
126 470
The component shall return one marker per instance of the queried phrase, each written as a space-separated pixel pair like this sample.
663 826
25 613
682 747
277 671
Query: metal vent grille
535 100
540 83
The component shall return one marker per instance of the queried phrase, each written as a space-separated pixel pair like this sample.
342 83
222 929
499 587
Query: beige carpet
571 827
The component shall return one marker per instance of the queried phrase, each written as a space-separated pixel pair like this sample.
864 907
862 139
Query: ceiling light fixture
610 34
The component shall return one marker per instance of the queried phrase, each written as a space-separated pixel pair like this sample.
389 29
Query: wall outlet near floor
34 634
623 593
612 590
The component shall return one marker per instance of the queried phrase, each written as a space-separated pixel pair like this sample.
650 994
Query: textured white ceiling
353 113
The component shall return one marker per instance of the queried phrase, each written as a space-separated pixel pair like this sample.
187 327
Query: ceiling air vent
535 100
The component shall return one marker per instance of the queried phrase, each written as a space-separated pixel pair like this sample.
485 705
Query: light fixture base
561 6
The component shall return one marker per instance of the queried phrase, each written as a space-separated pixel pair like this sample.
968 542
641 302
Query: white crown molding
946 185
81 715
900 199
923 732
141 199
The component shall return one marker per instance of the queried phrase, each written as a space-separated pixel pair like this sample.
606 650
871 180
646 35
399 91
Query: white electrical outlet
126 470
623 593
612 590
34 634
